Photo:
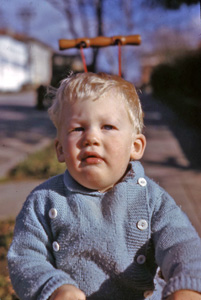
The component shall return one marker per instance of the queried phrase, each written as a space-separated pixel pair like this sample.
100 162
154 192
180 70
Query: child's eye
77 129
108 127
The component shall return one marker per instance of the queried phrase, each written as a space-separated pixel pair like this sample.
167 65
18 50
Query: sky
48 24
154 25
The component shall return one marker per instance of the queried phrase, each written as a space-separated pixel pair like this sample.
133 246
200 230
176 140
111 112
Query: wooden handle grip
100 41
127 40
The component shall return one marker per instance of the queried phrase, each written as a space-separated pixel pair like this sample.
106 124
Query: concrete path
24 129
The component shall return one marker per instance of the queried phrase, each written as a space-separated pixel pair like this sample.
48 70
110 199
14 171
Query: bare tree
26 14
127 8
77 14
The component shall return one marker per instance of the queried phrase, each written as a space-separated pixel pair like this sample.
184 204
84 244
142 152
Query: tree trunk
99 13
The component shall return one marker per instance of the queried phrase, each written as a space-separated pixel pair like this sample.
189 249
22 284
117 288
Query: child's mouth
92 158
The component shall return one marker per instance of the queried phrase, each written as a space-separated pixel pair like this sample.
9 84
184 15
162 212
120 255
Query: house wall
40 60
13 64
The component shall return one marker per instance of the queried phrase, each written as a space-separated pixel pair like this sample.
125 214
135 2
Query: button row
53 214
142 225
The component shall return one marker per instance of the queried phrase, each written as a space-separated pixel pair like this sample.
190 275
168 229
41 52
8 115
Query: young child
102 230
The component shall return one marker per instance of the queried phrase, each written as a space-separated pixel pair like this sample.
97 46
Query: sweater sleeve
30 258
177 246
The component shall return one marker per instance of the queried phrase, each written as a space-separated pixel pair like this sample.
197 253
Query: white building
23 61
40 63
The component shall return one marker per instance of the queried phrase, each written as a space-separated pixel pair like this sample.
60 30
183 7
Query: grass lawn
42 164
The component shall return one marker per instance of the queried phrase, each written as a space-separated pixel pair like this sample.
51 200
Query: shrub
179 85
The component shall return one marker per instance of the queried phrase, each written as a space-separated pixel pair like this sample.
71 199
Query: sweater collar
75 187
135 170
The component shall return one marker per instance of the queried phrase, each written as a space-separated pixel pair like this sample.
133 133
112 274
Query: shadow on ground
189 137
24 123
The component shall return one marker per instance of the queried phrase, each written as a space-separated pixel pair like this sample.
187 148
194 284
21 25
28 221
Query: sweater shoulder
54 184
44 194
158 197
154 188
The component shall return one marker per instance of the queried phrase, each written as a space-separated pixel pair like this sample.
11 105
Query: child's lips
91 158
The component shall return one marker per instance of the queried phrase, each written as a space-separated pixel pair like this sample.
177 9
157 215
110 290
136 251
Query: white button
55 246
52 213
148 294
142 224
141 259
142 181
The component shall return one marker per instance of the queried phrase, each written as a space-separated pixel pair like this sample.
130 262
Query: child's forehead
105 108
106 102
111 94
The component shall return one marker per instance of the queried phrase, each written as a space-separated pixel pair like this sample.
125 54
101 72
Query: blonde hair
92 86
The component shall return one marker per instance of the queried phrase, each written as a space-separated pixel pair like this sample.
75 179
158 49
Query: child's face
96 141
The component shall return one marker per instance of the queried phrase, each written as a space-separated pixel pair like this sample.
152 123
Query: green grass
40 165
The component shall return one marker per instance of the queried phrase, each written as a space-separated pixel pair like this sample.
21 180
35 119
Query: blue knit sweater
107 244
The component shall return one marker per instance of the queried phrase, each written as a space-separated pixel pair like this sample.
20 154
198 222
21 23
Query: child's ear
59 150
138 147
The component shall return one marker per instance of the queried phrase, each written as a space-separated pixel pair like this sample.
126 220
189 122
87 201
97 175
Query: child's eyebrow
74 118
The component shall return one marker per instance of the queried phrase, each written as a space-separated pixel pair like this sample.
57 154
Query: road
169 159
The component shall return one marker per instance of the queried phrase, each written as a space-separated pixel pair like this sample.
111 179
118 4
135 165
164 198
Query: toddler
102 230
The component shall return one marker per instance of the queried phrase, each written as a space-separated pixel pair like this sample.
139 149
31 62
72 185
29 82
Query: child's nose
91 138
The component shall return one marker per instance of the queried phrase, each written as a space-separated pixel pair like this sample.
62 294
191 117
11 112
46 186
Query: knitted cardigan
107 244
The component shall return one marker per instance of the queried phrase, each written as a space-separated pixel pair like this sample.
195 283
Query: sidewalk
23 129
164 160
